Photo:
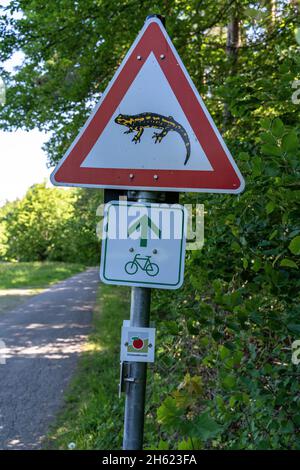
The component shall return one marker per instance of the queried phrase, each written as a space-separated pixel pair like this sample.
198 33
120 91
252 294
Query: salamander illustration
138 122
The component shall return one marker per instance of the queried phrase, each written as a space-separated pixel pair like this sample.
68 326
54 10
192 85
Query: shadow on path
43 338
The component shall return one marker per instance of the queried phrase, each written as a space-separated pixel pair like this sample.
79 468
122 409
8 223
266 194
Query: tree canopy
72 49
50 224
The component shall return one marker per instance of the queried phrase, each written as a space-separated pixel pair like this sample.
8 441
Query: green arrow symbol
142 224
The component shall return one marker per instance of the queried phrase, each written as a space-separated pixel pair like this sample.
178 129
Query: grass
35 275
93 415
19 281
12 298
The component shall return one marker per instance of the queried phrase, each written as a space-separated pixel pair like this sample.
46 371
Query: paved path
43 338
12 298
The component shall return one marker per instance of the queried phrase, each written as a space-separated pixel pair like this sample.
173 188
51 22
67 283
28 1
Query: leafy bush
50 224
231 327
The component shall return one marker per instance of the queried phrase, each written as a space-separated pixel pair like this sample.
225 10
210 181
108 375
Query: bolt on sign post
149 134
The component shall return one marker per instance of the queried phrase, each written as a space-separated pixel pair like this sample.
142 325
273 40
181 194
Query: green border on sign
143 282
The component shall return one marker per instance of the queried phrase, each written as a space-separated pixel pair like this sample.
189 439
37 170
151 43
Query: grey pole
136 388
137 371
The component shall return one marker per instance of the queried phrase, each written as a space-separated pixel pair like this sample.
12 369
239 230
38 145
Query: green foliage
35 275
238 314
50 224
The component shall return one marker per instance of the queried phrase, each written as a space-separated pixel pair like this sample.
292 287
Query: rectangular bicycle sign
143 244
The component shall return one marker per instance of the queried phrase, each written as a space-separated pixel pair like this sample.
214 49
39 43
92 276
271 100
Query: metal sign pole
137 371
136 382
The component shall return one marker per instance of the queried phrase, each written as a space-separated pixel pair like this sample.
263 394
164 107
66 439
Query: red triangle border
224 178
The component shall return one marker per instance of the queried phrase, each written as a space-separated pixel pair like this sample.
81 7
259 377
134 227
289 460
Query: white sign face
143 244
137 344
116 146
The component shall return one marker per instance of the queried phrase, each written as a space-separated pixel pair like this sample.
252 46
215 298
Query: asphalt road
43 339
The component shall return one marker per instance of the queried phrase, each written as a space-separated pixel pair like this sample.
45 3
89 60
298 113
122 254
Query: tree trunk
272 8
232 47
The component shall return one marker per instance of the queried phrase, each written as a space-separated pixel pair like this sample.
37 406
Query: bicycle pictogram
143 263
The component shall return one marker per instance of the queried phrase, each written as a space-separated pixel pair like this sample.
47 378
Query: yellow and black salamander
138 122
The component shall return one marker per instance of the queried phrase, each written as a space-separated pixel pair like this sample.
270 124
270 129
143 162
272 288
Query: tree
50 224
4 210
34 224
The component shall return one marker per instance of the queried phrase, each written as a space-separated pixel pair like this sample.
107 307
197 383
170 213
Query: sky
23 162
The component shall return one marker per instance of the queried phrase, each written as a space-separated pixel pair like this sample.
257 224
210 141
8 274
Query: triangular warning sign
150 130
